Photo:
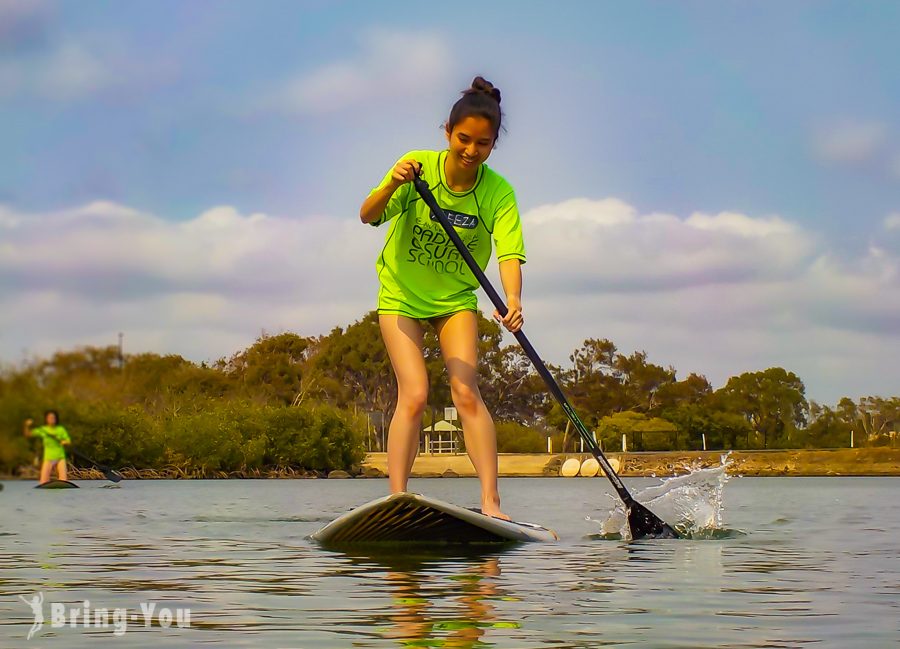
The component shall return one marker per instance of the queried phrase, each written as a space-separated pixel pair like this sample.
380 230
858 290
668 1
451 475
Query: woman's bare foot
492 509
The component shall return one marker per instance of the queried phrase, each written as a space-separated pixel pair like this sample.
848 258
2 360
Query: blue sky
763 129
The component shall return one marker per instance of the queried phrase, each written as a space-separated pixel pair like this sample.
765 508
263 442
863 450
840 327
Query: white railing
439 446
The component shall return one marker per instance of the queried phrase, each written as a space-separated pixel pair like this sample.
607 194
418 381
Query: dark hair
482 99
51 412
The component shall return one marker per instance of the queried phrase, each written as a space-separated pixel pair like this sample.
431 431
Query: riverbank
828 462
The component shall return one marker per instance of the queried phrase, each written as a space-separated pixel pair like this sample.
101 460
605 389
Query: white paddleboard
414 518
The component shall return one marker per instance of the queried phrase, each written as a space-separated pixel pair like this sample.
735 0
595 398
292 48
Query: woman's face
50 419
471 142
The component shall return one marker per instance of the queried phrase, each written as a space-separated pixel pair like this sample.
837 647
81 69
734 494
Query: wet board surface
57 484
414 518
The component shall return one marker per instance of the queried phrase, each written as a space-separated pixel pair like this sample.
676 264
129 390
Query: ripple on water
252 579
259 519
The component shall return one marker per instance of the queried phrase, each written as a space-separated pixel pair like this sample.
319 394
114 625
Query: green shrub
515 438
112 434
225 437
318 437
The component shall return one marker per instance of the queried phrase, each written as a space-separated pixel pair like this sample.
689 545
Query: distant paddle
643 522
109 474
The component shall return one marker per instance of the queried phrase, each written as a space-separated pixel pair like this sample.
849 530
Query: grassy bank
834 462
825 462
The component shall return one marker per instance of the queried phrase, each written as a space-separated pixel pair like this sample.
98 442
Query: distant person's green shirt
53 437
422 274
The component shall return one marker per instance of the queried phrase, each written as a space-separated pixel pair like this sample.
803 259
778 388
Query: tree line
320 402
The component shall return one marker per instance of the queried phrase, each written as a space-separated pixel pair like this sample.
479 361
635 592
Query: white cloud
8 218
41 62
742 225
68 71
73 71
105 251
606 246
892 221
203 287
388 64
849 142
717 294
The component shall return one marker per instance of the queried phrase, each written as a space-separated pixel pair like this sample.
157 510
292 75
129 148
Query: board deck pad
414 518
57 484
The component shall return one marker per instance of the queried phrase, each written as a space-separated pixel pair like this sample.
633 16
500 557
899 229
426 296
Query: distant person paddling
424 279
55 439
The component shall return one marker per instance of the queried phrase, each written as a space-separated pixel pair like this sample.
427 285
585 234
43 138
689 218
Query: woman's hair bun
480 84
481 99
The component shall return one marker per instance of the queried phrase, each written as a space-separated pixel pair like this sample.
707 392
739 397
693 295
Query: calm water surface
818 565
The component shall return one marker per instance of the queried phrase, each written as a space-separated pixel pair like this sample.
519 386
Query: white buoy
589 468
570 467
614 463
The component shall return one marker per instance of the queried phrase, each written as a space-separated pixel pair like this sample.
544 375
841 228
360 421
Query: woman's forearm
373 207
511 278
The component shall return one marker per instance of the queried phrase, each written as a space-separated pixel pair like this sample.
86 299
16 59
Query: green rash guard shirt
422 274
53 437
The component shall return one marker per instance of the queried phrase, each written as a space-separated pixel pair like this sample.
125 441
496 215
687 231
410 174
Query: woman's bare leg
403 338
458 335
46 468
62 470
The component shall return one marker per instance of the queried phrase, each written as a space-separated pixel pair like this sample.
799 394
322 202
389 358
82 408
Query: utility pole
121 354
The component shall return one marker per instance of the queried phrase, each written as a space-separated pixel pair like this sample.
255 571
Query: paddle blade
113 476
645 524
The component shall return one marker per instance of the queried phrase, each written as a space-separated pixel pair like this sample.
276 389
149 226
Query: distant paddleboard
57 484
414 518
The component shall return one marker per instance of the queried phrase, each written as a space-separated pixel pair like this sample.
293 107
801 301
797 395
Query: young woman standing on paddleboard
424 279
55 438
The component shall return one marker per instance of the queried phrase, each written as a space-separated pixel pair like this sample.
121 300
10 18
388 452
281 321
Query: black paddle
643 522
109 474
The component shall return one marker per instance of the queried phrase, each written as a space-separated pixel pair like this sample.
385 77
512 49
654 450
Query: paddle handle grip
428 197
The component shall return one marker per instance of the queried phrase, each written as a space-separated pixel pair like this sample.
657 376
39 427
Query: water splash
691 503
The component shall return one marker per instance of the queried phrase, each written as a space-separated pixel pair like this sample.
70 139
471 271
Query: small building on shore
441 437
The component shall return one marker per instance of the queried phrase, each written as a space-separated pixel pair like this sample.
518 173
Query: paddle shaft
552 385
105 470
